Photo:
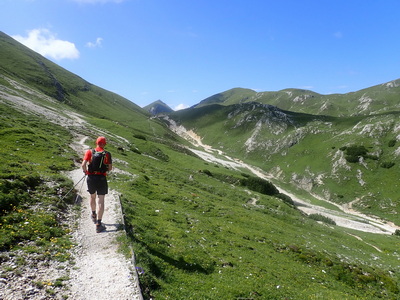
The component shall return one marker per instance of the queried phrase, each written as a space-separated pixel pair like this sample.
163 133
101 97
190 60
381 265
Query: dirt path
101 272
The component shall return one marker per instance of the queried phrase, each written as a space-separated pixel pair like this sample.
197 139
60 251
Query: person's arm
109 162
84 166
85 161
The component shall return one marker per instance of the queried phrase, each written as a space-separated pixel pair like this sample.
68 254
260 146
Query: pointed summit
158 107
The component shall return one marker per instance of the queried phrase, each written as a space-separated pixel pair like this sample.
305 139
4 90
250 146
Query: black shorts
97 184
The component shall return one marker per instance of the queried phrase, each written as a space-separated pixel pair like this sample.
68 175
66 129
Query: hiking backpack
97 164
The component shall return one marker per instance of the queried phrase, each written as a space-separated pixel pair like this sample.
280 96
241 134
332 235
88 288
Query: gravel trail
101 271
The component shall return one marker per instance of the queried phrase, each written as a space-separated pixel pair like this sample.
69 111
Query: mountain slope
198 230
22 65
232 96
338 159
158 107
377 99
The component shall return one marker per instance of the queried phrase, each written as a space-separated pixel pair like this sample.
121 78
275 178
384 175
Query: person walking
96 163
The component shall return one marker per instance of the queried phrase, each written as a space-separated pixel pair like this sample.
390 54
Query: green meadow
199 230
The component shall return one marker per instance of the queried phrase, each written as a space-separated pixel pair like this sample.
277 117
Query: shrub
387 164
260 185
158 153
354 152
321 218
392 143
140 137
352 159
285 198
207 172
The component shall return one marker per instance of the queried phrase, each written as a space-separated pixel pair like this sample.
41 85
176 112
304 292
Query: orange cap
101 140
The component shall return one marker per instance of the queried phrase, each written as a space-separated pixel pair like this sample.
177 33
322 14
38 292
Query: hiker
96 163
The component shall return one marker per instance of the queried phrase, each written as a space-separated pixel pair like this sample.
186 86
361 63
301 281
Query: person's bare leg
100 212
93 201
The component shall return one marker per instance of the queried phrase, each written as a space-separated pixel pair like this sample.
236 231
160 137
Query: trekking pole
73 188
78 197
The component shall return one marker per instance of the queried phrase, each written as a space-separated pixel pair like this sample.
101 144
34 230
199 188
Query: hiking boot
100 228
94 218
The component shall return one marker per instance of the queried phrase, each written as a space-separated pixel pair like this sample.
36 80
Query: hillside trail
345 215
100 271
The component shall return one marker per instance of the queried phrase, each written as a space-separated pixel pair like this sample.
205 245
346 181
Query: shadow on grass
181 263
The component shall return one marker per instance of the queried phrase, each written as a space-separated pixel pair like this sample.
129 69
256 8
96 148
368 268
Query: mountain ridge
158 107
298 148
59 83
198 228
372 100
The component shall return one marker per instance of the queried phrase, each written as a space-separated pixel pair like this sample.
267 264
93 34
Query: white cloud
45 43
97 43
181 106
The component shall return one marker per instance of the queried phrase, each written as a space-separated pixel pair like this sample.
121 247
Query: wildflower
139 270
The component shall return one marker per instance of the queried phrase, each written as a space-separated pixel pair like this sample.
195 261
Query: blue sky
183 51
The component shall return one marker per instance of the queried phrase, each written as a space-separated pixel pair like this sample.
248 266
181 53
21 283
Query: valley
231 199
344 216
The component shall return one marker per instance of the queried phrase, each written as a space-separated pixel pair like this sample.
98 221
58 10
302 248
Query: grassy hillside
233 96
343 159
381 98
27 67
201 237
199 230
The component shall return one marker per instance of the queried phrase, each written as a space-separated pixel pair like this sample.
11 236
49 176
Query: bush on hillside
207 172
392 143
140 137
259 185
321 218
355 152
285 198
387 164
153 151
